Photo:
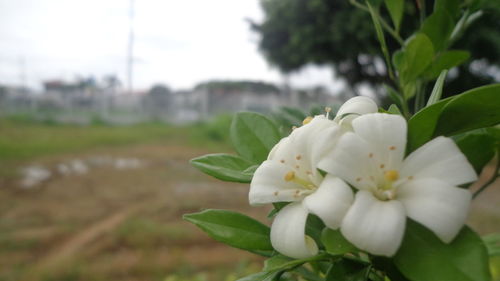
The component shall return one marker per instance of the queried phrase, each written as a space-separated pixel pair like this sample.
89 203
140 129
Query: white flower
290 175
423 186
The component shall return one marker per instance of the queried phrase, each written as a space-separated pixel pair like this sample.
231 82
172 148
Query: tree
295 33
159 101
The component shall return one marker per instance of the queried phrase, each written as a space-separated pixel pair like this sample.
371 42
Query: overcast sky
179 43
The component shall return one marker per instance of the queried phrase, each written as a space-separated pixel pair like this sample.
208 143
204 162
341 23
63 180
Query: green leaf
394 95
234 229
438 89
262 276
446 60
225 167
452 6
276 262
422 125
348 270
387 265
282 263
438 28
418 54
393 109
253 135
478 146
396 9
398 60
492 242
423 257
296 114
314 227
335 243
476 108
277 207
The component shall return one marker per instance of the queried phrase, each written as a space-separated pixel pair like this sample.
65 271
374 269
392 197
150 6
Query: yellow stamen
289 176
391 175
327 110
307 120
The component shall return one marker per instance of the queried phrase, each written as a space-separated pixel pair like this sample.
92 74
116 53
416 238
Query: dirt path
67 250
119 223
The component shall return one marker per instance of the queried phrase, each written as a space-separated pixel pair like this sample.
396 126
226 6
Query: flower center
291 176
386 190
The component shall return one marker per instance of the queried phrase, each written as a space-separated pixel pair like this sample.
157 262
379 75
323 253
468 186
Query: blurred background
103 103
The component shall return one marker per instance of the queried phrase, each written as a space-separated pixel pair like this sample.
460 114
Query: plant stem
384 24
422 10
491 180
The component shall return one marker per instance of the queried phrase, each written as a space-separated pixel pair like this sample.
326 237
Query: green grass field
23 140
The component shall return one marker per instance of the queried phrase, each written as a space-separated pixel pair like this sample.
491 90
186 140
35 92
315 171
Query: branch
492 179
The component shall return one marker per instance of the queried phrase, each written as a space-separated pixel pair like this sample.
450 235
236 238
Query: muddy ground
124 223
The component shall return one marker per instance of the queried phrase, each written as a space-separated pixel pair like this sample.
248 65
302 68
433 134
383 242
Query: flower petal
331 201
282 151
269 185
387 135
288 233
441 159
324 142
316 137
373 225
358 105
437 205
350 161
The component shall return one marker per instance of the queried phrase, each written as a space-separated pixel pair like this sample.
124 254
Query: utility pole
22 73
130 51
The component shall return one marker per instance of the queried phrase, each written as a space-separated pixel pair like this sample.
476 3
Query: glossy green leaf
438 28
446 60
225 167
253 135
476 108
262 276
417 55
335 243
396 9
423 257
438 89
348 270
478 146
422 125
234 229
